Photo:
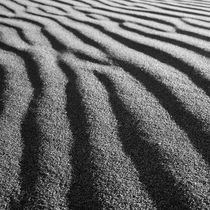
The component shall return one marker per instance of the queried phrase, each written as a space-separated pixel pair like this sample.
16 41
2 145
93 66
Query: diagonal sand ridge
104 104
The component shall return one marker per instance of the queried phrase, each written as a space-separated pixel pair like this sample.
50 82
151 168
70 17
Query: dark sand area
104 104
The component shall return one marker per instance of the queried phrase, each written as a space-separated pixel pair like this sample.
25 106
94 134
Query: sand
104 104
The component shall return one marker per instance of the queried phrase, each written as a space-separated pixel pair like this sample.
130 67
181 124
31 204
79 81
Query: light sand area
104 104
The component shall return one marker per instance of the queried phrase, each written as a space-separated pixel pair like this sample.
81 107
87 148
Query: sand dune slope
104 104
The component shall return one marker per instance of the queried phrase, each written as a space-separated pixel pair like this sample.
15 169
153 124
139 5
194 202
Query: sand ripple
104 104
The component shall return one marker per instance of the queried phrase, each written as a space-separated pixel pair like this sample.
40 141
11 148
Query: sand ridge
104 104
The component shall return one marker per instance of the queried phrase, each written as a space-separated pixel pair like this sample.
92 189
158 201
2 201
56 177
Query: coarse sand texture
104 105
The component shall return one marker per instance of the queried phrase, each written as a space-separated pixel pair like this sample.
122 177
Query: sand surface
104 104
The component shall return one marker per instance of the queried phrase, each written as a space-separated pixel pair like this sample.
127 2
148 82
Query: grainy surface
104 104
